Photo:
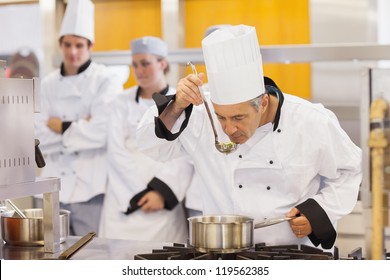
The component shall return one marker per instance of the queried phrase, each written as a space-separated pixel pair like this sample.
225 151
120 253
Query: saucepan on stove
225 233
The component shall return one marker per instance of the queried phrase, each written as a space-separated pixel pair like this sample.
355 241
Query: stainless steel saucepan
225 233
29 231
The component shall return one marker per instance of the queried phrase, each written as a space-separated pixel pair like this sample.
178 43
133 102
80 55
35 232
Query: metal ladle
223 147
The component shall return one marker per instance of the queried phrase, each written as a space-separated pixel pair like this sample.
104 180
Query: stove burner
179 251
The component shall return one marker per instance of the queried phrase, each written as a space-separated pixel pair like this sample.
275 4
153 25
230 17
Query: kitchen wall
17 34
339 84
277 22
343 87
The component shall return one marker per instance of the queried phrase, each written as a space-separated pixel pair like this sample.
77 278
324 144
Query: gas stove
260 251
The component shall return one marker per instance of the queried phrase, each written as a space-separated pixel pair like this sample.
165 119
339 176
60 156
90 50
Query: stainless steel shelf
50 188
271 54
41 185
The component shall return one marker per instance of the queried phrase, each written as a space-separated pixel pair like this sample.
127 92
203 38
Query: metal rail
271 54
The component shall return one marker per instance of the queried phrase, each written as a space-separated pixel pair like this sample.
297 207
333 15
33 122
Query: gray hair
256 102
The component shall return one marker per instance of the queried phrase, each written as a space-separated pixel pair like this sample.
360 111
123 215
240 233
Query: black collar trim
81 69
276 92
138 93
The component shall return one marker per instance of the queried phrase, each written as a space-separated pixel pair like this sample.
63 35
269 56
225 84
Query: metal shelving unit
17 166
50 188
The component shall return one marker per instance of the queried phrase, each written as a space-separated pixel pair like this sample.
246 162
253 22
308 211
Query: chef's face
76 50
240 121
148 69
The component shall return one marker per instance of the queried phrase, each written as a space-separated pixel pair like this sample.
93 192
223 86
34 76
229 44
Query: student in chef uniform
144 195
293 157
72 124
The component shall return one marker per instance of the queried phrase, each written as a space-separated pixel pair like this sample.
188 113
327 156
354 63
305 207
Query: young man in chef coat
72 124
293 158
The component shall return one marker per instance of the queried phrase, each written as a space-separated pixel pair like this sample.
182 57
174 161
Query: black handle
39 160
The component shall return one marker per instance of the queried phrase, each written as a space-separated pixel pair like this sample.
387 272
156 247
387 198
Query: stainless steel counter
97 249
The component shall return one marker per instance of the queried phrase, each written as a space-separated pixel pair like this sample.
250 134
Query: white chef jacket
193 196
78 156
130 171
308 156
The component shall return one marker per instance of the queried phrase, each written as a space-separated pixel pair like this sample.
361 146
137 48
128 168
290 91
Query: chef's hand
151 201
55 124
187 91
300 225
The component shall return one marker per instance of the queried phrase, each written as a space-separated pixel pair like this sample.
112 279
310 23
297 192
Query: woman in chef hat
144 195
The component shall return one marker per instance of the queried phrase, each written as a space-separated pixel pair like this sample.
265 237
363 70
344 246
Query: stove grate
260 251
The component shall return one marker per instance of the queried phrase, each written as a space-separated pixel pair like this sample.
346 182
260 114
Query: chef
293 158
143 200
72 124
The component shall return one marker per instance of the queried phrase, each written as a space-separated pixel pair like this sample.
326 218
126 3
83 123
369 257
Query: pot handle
273 221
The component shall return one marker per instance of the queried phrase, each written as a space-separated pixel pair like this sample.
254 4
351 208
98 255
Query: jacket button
279 130
76 153
240 156
268 187
271 162
240 186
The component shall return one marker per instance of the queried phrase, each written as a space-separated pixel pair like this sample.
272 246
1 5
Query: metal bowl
29 232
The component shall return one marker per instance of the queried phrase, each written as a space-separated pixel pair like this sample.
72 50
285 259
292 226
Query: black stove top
260 251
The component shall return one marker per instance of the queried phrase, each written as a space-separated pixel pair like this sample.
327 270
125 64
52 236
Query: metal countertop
96 249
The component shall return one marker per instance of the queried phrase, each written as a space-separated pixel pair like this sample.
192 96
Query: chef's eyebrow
234 116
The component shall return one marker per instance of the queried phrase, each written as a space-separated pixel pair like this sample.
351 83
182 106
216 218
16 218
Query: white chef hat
212 28
234 64
79 19
150 45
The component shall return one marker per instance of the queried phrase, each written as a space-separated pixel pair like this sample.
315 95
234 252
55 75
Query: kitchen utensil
223 147
221 233
39 159
225 233
273 221
29 231
68 253
17 210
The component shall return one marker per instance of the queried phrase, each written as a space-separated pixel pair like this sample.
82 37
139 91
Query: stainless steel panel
36 93
17 154
97 249
271 54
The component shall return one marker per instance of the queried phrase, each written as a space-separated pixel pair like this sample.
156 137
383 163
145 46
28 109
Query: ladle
17 210
223 147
